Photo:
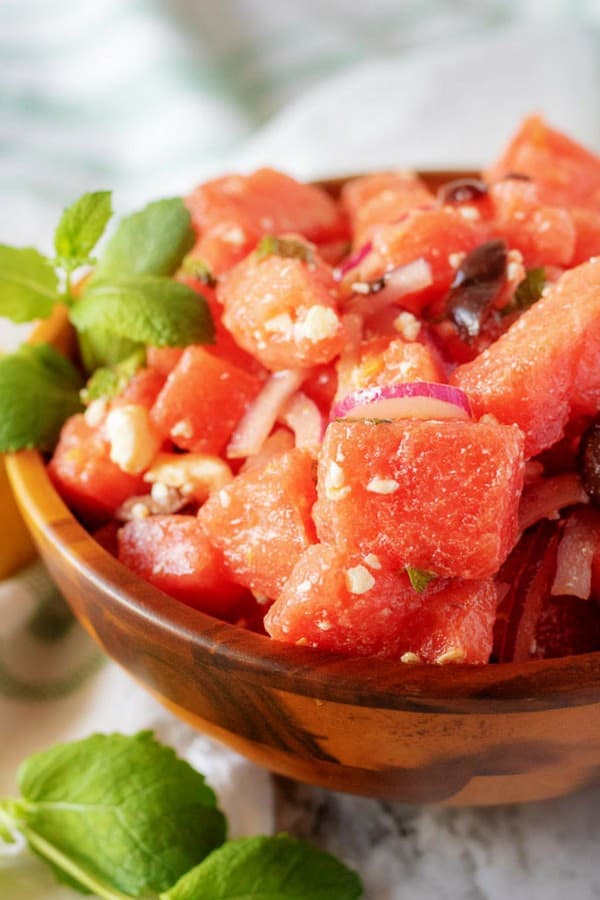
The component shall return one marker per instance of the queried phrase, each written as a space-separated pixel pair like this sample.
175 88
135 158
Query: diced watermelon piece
434 235
85 476
545 235
283 310
232 213
261 521
587 234
320 605
546 366
565 173
440 496
174 554
384 361
142 389
381 200
202 400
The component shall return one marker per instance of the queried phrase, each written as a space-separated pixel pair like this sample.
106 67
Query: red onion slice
412 400
575 554
303 417
545 498
352 262
398 283
258 420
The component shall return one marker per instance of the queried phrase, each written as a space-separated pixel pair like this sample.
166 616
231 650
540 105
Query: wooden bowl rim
306 671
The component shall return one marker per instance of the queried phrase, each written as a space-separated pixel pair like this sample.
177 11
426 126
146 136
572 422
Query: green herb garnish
530 289
124 817
109 381
287 247
39 389
268 868
129 301
419 578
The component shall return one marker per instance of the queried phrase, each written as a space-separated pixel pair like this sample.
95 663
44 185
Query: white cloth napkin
149 98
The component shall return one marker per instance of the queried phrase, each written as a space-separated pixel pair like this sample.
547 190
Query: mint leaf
110 380
80 228
120 816
268 868
28 284
419 578
529 290
98 348
287 247
39 389
150 242
149 309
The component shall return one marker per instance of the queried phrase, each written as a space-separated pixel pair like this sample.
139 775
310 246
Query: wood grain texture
455 735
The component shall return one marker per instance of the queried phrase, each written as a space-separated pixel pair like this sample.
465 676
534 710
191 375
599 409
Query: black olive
462 190
589 462
476 285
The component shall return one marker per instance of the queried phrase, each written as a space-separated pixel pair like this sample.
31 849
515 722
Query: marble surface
539 851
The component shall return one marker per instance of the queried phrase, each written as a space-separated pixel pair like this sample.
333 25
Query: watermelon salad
392 448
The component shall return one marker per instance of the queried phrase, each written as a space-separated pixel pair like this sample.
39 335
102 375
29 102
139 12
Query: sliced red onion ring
352 261
412 400
544 498
391 287
575 554
258 420
303 417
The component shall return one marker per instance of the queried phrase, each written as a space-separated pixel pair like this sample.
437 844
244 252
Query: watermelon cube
355 607
261 521
439 496
546 366
283 310
174 554
203 399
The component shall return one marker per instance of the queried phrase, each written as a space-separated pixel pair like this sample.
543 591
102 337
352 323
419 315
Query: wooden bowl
455 735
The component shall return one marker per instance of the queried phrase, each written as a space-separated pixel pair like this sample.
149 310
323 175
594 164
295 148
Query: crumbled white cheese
324 626
133 441
453 655
411 658
359 580
319 323
281 324
407 325
335 488
455 259
140 511
159 491
182 429
382 486
94 414
469 212
372 561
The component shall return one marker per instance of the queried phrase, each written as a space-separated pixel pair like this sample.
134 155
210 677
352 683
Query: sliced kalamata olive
476 285
589 463
462 190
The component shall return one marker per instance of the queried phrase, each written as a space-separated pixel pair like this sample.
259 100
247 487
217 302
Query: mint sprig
146 308
152 241
130 300
117 813
122 816
80 228
268 868
39 389
109 381
28 284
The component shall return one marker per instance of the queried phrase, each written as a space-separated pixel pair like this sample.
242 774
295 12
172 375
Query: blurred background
150 96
